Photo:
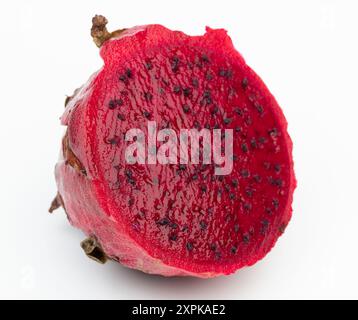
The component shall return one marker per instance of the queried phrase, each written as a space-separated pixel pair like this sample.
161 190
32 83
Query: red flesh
123 206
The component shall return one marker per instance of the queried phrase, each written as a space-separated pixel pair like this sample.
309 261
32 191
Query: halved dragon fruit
173 217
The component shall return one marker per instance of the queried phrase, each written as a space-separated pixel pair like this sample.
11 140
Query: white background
306 52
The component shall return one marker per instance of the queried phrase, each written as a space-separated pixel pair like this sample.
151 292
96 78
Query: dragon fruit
174 219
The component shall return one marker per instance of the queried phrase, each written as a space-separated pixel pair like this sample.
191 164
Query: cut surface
184 215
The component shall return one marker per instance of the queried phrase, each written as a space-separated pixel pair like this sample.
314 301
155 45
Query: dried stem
56 203
99 31
93 250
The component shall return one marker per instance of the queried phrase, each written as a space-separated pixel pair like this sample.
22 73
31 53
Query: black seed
112 105
148 96
207 100
187 92
203 225
233 249
236 228
268 210
207 126
244 173
246 238
227 120
114 140
175 64
264 227
235 182
227 187
163 222
221 178
205 58
203 188
182 167
257 178
276 182
146 114
189 246
216 126
173 237
259 108
222 72
262 140
253 143
238 111
232 196
128 173
123 78
186 108
273 132
244 83
196 124
225 73
209 76
121 117
249 192
194 177
238 129
213 247
173 225
177 89
207 94
115 103
148 65
130 201
277 168
129 73
217 255
131 181
247 206
195 82
244 147
275 203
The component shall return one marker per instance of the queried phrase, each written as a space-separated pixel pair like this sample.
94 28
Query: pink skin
95 207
